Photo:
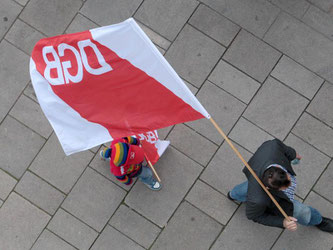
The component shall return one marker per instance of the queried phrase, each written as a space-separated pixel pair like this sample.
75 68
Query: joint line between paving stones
222 16
290 56
293 90
306 11
208 215
46 229
127 236
139 214
184 199
23 124
219 43
272 22
121 203
51 217
66 197
10 27
315 183
222 230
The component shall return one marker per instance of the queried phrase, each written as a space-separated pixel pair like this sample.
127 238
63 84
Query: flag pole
249 168
152 168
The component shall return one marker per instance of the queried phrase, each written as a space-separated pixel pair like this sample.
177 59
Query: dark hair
275 178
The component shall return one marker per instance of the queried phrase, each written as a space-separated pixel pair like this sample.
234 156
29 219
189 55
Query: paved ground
263 69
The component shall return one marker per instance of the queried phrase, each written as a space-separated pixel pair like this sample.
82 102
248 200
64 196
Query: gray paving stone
72 230
23 36
193 55
162 133
297 77
310 167
1 202
254 15
308 237
22 2
248 135
315 132
318 202
177 173
104 12
225 170
19 145
93 199
192 144
322 105
324 185
240 232
154 37
211 202
214 25
234 81
325 5
224 109
197 230
304 45
30 92
275 108
29 113
8 13
64 170
13 73
166 17
134 226
50 241
80 23
50 17
21 223
252 56
103 167
112 238
319 20
39 192
297 8
7 184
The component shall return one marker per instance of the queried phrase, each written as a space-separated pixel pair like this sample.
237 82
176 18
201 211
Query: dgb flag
106 83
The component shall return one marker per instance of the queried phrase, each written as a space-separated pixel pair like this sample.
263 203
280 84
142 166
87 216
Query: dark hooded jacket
259 206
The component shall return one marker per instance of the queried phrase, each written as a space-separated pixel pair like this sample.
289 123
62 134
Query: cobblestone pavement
262 69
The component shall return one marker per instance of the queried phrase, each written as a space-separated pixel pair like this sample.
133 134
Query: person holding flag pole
272 161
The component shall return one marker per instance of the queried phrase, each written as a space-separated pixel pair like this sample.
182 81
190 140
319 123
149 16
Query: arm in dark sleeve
125 179
257 213
289 152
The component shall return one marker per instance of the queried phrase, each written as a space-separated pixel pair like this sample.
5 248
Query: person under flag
127 162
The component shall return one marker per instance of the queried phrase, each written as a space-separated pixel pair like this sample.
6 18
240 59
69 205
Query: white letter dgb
61 67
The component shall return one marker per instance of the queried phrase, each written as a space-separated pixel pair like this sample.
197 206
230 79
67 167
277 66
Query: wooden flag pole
152 168
249 168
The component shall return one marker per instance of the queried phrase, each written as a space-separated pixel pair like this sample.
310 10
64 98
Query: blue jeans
146 176
304 214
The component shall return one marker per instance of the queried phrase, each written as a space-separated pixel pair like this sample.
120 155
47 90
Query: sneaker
229 197
326 225
155 186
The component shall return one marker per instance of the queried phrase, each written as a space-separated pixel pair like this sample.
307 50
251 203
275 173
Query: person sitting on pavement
272 164
126 162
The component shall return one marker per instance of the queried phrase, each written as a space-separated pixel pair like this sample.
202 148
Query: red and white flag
106 83
152 146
